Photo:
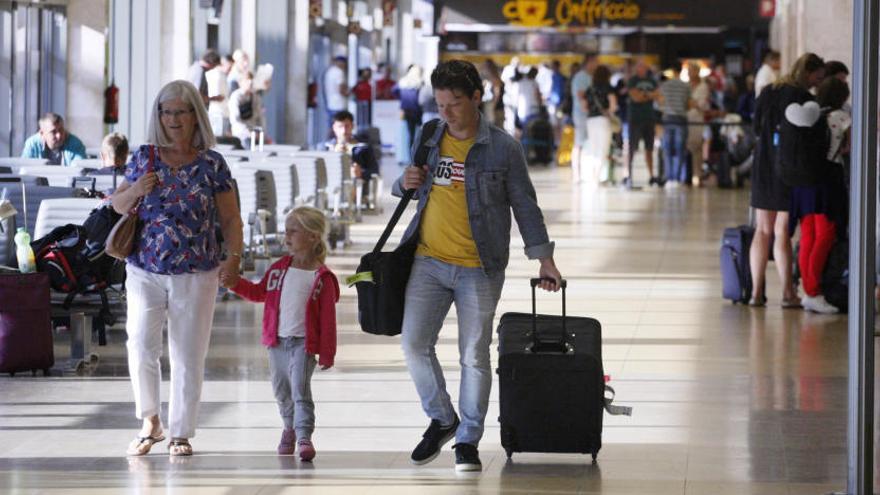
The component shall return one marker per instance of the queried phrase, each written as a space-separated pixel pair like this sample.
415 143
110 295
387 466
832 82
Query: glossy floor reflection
728 399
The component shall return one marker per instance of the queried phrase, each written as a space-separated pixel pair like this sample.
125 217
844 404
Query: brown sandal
178 448
142 445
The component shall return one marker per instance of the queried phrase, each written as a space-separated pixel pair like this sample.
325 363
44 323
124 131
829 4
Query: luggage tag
612 409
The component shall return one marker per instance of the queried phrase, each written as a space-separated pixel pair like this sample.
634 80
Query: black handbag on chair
381 277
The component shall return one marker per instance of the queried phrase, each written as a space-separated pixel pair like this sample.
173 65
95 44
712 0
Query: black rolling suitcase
551 382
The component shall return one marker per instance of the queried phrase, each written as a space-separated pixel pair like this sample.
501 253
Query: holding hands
229 273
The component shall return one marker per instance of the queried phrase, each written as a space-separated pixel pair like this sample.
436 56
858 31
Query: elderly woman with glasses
180 190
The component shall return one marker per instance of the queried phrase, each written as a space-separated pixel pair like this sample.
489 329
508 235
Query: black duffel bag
381 277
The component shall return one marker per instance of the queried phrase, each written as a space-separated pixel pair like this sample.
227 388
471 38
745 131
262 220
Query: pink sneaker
306 450
288 442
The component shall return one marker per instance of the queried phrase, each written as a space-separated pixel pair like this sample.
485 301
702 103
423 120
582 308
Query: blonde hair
203 137
805 65
312 221
115 145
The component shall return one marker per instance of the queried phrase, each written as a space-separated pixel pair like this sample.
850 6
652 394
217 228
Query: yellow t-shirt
445 233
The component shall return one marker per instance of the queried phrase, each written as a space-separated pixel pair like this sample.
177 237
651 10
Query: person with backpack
246 110
821 210
770 193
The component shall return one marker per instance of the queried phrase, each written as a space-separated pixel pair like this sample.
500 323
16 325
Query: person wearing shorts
642 92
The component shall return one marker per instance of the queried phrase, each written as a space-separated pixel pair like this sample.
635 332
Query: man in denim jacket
476 173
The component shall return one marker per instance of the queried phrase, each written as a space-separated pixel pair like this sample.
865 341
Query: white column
86 40
298 74
175 40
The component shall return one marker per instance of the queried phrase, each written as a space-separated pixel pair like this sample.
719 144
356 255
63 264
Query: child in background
299 322
114 155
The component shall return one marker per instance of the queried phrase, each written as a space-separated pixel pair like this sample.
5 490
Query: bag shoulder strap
421 157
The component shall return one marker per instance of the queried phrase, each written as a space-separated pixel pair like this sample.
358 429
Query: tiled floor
728 399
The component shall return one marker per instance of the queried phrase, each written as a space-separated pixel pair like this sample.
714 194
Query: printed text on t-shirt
448 171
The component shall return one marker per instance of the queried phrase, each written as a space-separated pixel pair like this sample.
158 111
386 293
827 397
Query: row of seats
270 183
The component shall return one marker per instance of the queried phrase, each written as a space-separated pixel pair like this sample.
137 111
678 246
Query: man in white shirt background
336 88
218 109
768 73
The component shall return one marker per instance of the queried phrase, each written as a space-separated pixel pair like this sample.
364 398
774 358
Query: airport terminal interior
744 397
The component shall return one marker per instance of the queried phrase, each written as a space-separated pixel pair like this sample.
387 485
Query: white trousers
597 148
185 303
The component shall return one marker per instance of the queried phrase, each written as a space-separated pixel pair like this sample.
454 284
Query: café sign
538 13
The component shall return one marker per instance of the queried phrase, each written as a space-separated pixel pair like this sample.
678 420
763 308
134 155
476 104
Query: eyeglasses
174 113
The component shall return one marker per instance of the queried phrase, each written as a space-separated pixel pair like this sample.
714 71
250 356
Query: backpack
62 255
97 228
802 144
246 109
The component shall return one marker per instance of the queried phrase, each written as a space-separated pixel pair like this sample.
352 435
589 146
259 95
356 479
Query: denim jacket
496 180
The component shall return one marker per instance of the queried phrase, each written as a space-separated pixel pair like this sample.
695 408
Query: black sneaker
434 438
466 458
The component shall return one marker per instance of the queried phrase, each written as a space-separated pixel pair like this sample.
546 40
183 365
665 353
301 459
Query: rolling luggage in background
537 140
736 276
372 137
551 382
25 325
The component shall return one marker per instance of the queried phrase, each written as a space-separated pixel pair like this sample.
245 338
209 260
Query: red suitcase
25 325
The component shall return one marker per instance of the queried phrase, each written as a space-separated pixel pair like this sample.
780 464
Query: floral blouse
178 216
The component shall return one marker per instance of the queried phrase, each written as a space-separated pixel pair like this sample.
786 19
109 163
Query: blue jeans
291 368
433 287
674 137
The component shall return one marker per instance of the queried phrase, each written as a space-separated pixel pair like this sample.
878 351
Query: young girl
822 209
299 322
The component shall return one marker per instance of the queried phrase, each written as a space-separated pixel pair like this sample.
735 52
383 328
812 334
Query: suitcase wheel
509 453
594 454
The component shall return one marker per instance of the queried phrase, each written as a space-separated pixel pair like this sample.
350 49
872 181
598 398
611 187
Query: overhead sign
538 13
574 14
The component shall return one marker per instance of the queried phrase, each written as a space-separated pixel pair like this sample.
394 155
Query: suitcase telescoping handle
537 345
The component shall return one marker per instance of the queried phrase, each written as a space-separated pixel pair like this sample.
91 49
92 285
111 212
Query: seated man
53 142
363 160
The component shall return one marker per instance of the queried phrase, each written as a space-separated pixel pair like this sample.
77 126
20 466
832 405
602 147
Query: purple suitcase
25 325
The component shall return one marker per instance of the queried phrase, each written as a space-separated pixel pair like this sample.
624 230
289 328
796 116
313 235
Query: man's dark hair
832 93
771 55
457 75
211 57
342 116
835 67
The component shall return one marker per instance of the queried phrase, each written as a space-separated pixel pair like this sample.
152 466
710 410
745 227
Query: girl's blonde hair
313 221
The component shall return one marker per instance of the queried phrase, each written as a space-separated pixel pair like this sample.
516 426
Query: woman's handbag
381 277
120 241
